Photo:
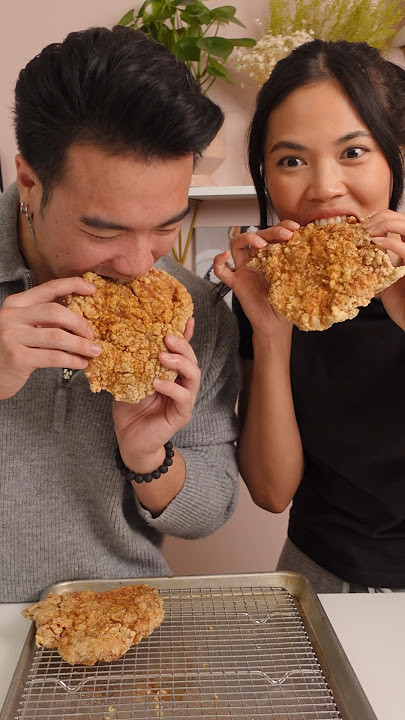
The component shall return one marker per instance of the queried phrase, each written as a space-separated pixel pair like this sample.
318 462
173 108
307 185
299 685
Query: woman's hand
249 284
144 428
37 331
388 230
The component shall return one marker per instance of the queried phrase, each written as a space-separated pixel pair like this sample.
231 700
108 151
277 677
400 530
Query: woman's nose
325 183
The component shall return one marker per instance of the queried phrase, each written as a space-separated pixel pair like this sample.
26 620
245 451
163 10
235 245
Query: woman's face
321 161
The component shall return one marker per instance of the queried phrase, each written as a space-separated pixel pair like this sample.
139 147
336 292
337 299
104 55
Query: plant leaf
215 68
226 14
158 11
204 17
187 49
243 42
186 3
218 46
127 18
218 71
225 11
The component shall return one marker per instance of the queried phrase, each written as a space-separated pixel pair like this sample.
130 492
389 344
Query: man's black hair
116 89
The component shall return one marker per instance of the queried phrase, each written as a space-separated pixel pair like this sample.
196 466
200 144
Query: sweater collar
12 263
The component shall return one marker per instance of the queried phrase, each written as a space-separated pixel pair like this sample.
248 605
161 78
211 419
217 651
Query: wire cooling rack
229 652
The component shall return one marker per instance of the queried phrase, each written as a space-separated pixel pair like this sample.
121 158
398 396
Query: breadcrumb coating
323 275
86 626
130 322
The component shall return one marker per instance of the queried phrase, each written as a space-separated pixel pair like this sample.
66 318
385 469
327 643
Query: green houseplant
189 29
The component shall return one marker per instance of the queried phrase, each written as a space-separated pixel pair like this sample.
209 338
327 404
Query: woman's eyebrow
286 145
352 136
291 145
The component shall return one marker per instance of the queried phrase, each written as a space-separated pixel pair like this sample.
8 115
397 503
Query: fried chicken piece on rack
323 275
130 322
86 626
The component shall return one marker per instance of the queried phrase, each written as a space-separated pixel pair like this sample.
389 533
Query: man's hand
37 331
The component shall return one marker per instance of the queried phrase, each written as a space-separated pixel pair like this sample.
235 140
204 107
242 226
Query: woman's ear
28 183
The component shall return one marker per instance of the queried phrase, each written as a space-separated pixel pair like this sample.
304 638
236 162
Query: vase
210 161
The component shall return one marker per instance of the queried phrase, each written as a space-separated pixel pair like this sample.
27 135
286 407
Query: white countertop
371 629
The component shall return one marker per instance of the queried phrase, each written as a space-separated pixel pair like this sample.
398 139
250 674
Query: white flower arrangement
260 61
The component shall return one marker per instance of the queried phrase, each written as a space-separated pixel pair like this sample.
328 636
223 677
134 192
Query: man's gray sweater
66 512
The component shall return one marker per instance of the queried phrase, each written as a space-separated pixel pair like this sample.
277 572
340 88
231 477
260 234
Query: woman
322 412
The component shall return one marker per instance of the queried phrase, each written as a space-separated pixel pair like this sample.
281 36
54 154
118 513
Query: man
108 125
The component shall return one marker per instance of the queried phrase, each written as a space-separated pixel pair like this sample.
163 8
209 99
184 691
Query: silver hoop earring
29 216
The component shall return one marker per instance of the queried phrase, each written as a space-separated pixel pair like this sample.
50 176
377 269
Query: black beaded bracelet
145 477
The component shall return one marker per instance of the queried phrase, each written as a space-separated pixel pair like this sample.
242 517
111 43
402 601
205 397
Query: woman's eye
290 161
354 152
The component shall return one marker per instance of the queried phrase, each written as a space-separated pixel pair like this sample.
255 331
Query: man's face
111 214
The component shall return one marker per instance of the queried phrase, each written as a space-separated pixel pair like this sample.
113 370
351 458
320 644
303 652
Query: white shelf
228 192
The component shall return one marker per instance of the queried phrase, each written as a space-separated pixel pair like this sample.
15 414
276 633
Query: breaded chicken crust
86 626
130 322
323 275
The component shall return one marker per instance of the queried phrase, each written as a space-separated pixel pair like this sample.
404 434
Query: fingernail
172 338
96 349
90 285
166 356
285 233
378 241
261 242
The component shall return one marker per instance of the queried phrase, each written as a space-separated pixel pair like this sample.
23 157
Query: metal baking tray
231 646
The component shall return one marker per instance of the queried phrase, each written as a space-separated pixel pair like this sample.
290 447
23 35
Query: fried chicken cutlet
130 322
323 275
86 626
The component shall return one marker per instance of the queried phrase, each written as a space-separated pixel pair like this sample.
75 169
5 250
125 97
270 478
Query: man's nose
326 182
134 261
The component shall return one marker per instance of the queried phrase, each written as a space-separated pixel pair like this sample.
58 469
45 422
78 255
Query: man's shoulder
189 279
202 291
11 262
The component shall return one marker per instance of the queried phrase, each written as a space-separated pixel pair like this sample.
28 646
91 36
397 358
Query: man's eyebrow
176 218
98 223
291 145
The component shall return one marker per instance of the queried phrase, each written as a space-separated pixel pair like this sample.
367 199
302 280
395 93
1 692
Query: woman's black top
348 383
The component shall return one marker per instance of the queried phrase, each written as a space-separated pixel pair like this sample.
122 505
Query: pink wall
252 539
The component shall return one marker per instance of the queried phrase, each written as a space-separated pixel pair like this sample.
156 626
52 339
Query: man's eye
354 152
290 161
168 231
103 239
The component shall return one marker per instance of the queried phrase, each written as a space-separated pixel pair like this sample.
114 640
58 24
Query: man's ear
28 183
